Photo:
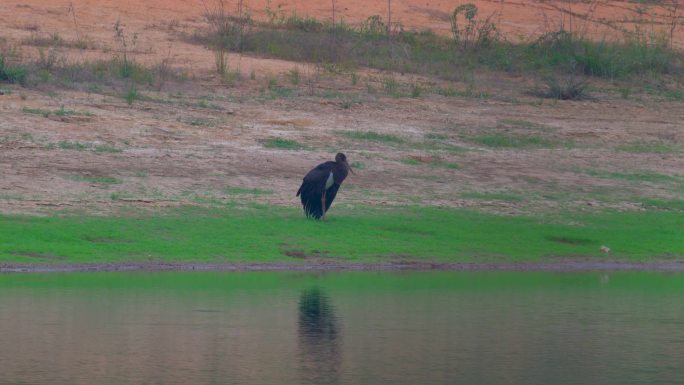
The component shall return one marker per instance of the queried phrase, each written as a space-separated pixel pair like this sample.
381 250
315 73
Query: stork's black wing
312 187
330 195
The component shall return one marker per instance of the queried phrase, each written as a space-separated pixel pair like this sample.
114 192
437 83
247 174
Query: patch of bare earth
205 141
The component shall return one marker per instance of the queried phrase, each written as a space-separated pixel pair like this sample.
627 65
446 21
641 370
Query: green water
342 328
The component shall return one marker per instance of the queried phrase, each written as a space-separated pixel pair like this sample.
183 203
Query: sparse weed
492 196
68 145
131 95
390 86
105 180
294 76
498 140
524 124
649 147
661 204
231 190
107 148
416 90
36 111
431 162
639 176
571 88
372 136
358 165
284 144
12 73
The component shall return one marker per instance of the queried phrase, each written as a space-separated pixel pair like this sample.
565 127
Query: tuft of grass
569 89
411 161
96 179
639 176
131 95
16 73
524 124
492 196
61 111
68 145
660 204
514 141
294 75
435 136
11 197
232 190
372 136
36 111
80 146
649 147
391 86
416 90
432 162
107 148
358 165
284 144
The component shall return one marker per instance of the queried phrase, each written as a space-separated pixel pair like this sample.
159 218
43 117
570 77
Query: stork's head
342 159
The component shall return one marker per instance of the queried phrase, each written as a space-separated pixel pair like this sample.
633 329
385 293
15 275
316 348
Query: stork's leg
323 204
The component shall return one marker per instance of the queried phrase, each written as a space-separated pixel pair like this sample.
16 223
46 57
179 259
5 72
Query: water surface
342 328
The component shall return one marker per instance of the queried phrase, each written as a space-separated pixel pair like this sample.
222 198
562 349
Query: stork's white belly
329 182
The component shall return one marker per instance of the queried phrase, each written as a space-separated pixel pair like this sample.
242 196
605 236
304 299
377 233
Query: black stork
320 186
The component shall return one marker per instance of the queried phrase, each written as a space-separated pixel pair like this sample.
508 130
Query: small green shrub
12 73
131 95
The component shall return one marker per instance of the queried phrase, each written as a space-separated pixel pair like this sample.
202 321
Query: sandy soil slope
201 141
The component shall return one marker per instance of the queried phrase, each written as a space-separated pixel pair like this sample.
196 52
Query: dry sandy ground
201 141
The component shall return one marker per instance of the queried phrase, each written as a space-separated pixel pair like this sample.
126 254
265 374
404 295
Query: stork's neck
339 172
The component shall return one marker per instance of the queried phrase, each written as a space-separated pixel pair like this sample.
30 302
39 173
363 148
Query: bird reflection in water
319 339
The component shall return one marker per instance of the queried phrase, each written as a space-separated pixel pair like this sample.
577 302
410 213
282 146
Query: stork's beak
349 167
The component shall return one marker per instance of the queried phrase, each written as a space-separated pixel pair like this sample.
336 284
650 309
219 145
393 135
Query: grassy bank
267 234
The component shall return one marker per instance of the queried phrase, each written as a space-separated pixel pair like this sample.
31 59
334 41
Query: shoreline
565 266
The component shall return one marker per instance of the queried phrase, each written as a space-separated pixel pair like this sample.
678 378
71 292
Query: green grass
649 147
372 136
12 73
493 196
80 146
661 204
357 165
525 124
58 112
68 145
131 95
36 111
640 176
231 190
431 163
11 197
96 179
362 234
285 144
515 141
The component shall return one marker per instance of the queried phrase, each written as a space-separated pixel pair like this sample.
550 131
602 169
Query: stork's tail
311 202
